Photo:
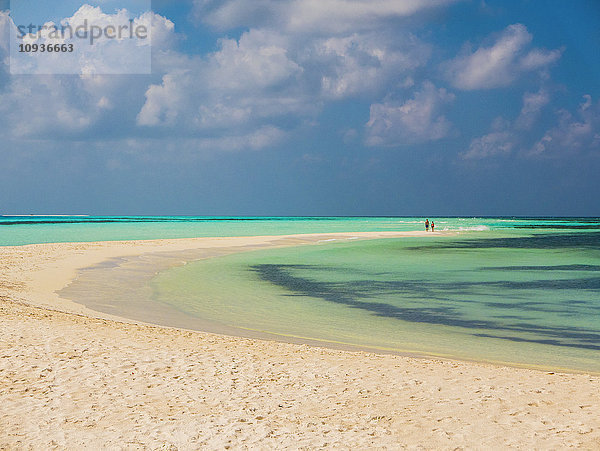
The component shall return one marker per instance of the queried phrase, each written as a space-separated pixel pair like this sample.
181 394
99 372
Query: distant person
427 225
432 225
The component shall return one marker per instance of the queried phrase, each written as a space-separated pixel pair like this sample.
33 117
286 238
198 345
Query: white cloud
267 136
492 144
264 137
265 77
244 84
5 24
579 133
249 93
356 64
104 103
414 121
507 136
163 101
295 57
539 58
314 16
47 107
259 60
533 103
119 54
54 107
499 64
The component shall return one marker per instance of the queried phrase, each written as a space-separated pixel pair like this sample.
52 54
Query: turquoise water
522 291
20 230
532 301
527 295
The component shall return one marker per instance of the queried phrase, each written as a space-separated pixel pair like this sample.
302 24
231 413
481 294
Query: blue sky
317 107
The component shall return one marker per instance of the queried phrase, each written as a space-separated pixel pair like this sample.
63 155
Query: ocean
20 230
517 291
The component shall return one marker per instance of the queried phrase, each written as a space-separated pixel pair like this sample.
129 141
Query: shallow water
522 292
493 299
19 230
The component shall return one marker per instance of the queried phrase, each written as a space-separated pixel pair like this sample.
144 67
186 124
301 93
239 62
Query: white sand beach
73 378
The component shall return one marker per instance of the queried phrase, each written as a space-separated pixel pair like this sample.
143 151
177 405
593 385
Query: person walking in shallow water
427 225
432 225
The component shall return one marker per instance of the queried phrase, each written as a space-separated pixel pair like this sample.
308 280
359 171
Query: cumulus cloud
574 133
499 64
502 140
365 62
287 66
260 59
5 24
47 107
294 58
267 76
163 101
414 121
539 58
533 103
507 136
240 85
266 80
54 107
313 16
100 54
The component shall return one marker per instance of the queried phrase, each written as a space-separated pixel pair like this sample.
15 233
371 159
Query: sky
310 107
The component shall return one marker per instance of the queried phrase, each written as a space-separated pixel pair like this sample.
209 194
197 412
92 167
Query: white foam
479 228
